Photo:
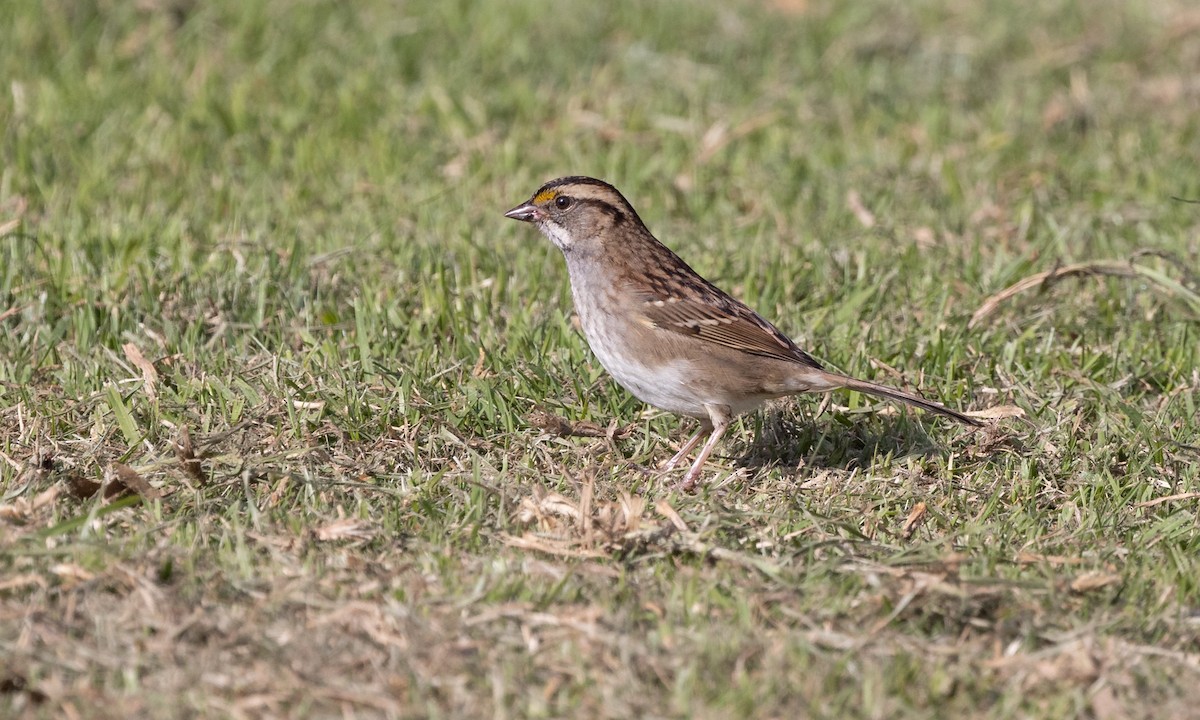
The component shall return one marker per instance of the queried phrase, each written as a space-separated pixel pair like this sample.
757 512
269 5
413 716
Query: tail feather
884 391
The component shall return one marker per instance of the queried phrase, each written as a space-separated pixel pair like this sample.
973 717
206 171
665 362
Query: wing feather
721 319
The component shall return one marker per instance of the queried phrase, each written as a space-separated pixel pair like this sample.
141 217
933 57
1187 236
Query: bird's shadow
785 439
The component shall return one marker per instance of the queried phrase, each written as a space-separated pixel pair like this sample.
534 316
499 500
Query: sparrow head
578 213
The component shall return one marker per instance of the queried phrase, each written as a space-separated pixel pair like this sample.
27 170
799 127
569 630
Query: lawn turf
253 266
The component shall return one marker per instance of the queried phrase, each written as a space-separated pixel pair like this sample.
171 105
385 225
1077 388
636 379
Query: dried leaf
529 541
915 518
45 497
633 507
129 480
586 496
1072 662
996 413
719 135
70 571
664 508
186 454
149 374
480 370
865 217
1090 581
555 504
549 422
345 529
15 204
560 426
81 487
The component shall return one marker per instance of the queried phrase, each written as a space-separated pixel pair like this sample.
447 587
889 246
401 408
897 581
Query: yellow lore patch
544 196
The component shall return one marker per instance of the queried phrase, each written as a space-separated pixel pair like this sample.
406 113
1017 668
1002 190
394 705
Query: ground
294 423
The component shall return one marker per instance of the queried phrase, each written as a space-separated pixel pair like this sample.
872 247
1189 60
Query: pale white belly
675 386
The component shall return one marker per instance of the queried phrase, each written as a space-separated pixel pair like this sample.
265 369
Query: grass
276 227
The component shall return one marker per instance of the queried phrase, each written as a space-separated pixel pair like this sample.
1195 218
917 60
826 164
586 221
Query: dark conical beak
526 212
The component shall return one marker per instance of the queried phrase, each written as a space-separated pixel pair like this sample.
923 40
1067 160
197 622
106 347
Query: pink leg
688 446
720 417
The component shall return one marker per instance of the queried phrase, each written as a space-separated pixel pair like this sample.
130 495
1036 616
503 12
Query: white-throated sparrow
666 334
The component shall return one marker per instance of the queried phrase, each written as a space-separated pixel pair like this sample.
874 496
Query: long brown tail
884 391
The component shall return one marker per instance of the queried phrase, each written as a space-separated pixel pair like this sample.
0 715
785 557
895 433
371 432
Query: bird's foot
690 481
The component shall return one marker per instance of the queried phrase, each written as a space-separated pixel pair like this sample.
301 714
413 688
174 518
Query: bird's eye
562 202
